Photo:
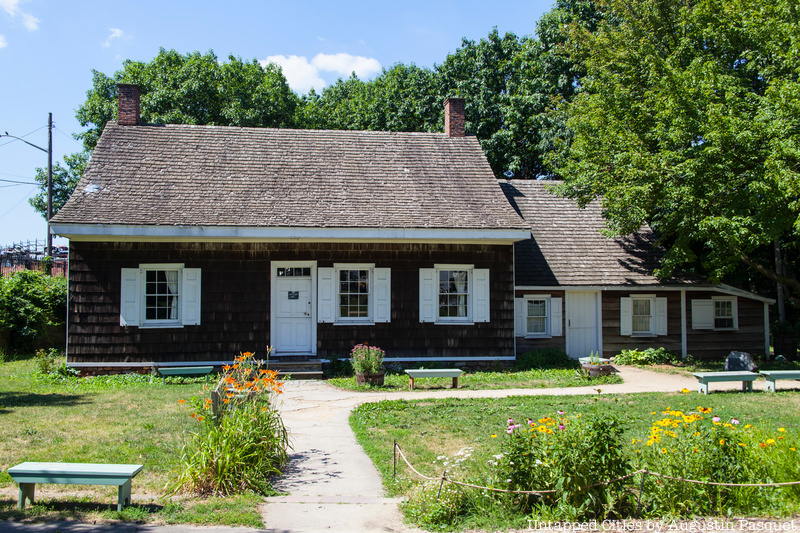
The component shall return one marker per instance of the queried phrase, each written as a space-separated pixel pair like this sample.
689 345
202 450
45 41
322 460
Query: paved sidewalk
331 484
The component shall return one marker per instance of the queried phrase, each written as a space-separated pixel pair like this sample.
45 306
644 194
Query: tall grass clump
241 441
545 358
701 446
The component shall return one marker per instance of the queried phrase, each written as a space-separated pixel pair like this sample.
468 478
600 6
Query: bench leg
25 492
124 495
455 382
747 386
411 383
770 385
702 387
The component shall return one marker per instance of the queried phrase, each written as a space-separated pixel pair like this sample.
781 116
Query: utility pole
49 182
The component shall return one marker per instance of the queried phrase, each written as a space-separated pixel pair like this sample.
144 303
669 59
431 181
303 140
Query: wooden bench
434 373
774 375
704 378
29 474
184 371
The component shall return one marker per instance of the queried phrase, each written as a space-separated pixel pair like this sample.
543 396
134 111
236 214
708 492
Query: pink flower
734 421
562 427
716 419
510 421
561 413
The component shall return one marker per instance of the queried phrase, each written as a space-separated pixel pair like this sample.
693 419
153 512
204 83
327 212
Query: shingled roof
568 248
214 176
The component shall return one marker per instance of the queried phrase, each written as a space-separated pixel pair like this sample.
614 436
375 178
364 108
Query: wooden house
190 244
582 292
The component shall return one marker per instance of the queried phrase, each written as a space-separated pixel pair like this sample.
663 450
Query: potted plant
596 366
367 362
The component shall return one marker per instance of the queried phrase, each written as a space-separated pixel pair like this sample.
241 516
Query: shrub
47 360
545 358
572 455
437 504
650 356
245 444
30 301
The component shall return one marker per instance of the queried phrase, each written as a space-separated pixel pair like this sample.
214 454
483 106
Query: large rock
740 361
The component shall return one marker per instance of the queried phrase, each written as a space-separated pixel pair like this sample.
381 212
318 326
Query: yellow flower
494 436
663 450
793 449
782 430
685 391
748 426
770 441
722 442
742 444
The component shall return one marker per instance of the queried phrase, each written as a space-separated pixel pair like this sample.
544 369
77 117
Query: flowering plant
367 359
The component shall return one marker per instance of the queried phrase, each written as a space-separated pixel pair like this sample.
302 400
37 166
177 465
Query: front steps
296 368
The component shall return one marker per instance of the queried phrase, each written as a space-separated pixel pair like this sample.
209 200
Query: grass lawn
99 420
429 430
523 379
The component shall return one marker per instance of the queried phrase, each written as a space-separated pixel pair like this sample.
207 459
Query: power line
20 182
23 136
70 137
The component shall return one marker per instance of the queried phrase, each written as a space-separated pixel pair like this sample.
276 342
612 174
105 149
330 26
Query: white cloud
299 73
302 74
116 33
11 7
345 64
3 42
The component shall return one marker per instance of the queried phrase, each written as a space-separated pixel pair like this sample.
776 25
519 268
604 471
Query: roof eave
150 233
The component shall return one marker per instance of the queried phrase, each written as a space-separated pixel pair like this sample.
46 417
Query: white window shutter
520 317
480 298
382 291
661 316
702 314
190 297
129 298
555 317
326 294
427 295
625 316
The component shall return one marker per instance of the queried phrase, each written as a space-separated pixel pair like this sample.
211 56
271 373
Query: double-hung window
354 293
723 314
451 294
537 315
643 315
160 296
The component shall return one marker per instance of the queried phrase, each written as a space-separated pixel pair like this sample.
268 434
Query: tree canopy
689 120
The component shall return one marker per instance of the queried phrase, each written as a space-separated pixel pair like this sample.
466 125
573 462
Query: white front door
583 323
292 309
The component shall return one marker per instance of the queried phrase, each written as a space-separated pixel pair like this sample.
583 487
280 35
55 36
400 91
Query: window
643 315
536 317
160 296
454 294
354 293
723 314
718 312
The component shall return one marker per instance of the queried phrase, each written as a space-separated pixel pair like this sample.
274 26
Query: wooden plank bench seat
30 473
434 373
184 371
704 378
774 375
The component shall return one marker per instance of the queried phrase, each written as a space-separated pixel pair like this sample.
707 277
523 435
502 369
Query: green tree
689 120
64 181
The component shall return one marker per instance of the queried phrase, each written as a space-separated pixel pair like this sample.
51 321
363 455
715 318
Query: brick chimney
454 117
128 106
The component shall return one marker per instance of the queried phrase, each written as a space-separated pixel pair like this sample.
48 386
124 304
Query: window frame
547 316
134 295
467 319
145 322
370 268
734 313
651 299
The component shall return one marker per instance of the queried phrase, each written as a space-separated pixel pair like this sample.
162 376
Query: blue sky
48 49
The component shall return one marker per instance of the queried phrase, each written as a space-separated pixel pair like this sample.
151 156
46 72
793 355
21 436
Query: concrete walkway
331 484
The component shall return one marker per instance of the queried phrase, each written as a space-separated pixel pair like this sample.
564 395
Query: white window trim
470 294
133 308
370 318
734 310
652 331
547 316
478 295
659 308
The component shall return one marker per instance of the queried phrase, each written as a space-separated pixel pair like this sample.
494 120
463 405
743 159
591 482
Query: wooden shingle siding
235 314
614 343
709 344
532 344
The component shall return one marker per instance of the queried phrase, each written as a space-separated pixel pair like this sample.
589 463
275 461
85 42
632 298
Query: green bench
704 378
434 373
774 375
29 474
165 371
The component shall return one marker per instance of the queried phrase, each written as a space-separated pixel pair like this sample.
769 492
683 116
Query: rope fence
643 471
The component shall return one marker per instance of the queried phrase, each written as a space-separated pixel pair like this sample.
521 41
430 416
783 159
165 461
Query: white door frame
598 312
275 265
